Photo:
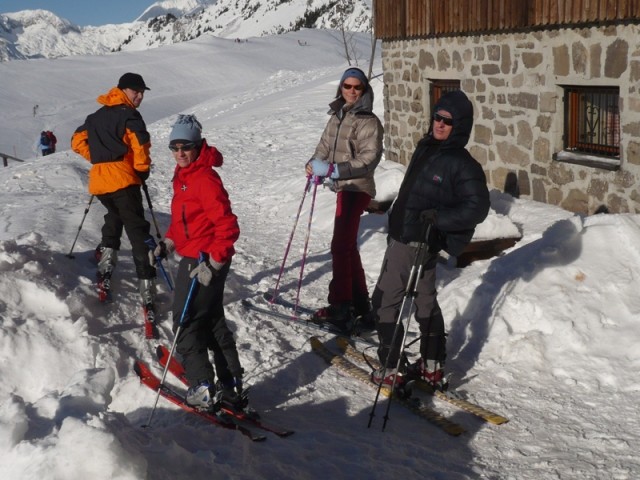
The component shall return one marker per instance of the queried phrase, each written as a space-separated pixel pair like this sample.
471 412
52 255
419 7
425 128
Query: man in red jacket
202 222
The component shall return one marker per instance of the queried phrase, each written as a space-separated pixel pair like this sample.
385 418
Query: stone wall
515 83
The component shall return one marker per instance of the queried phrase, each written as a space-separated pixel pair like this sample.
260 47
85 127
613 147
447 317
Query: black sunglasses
439 118
348 86
187 147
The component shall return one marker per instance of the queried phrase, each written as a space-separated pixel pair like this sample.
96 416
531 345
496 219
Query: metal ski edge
149 379
177 370
358 373
351 352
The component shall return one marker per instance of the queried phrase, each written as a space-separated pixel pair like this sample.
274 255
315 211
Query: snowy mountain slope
172 87
41 34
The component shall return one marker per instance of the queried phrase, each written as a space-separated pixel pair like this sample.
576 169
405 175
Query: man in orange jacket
116 142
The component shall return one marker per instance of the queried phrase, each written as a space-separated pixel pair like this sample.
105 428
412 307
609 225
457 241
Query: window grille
592 120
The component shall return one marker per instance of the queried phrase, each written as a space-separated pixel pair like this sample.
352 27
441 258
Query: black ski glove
143 175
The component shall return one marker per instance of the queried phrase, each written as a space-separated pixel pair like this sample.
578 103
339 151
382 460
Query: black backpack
44 139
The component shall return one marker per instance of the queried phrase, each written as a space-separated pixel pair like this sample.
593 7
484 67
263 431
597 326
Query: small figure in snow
116 142
202 222
444 196
47 142
349 151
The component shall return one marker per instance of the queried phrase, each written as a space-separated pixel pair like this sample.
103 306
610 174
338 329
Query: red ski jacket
201 216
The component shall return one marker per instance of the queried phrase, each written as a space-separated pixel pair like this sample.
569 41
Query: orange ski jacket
116 142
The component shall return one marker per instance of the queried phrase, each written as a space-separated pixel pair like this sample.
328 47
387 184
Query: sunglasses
348 86
187 147
439 118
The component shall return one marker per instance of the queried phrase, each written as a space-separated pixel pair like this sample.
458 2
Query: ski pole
410 292
316 181
293 230
158 235
151 243
153 217
183 315
86 210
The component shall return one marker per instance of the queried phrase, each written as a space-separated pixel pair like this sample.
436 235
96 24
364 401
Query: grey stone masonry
516 83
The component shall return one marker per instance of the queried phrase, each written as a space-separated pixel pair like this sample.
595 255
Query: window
438 87
592 120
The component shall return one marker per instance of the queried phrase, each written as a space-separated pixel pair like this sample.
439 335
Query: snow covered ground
545 334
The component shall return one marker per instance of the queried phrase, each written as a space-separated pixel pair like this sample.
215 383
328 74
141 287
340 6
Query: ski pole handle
151 243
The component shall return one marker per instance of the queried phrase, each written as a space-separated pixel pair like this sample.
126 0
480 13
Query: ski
290 318
177 370
150 328
268 308
308 312
221 420
448 396
103 286
285 303
413 404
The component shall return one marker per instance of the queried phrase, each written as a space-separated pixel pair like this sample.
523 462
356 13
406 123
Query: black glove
164 248
436 240
429 216
142 175
432 236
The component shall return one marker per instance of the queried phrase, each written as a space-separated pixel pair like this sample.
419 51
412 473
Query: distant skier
202 221
47 142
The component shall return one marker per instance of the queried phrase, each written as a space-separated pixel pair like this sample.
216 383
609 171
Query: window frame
437 87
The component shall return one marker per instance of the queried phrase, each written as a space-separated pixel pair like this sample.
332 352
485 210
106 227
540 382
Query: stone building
540 130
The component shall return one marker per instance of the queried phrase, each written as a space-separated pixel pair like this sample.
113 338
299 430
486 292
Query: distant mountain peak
177 8
41 34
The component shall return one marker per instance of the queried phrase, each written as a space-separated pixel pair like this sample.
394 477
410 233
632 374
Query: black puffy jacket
445 177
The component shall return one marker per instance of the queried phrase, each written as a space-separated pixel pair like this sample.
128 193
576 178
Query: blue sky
97 12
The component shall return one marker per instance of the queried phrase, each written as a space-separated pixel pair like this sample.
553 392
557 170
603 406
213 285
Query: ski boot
338 316
430 372
147 289
203 397
106 264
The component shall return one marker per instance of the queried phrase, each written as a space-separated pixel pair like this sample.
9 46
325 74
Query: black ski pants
204 328
125 210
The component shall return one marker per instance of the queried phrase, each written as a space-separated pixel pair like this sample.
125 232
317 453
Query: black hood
461 110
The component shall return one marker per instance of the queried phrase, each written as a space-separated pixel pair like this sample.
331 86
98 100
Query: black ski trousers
204 328
125 210
388 297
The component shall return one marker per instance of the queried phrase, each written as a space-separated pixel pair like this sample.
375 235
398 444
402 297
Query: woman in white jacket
348 152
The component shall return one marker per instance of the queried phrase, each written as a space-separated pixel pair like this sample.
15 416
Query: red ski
221 420
150 327
177 370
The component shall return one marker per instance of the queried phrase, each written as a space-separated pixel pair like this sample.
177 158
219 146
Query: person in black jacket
115 140
442 198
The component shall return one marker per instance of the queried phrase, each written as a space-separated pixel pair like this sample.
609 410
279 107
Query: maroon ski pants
348 282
